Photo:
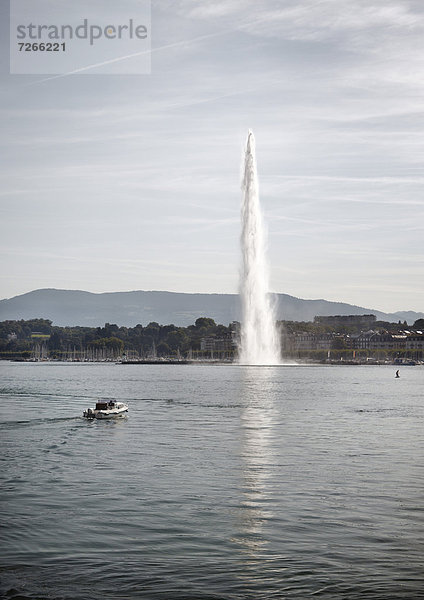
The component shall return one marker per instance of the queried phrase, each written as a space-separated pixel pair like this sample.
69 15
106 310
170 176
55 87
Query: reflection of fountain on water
257 456
259 339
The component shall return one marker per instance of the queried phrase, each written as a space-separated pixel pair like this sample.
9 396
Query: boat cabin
103 405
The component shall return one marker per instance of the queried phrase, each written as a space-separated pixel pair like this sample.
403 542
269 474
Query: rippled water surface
224 482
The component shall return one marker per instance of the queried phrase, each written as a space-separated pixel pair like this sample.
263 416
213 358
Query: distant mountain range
73 307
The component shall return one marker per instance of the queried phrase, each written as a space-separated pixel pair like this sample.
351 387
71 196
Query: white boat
106 410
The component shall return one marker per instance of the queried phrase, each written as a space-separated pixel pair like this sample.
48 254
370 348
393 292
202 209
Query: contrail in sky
165 47
119 58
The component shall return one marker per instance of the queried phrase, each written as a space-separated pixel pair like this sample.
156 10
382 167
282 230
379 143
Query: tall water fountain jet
259 339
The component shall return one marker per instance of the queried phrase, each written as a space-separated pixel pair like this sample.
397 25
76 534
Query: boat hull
111 415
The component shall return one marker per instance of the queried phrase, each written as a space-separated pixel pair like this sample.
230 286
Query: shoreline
212 362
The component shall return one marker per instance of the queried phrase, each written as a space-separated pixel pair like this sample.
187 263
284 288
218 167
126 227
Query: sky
132 182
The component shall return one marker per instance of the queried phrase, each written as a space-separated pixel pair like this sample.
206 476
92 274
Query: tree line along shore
326 338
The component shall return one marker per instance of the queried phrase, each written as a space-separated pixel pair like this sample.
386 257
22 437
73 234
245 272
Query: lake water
224 482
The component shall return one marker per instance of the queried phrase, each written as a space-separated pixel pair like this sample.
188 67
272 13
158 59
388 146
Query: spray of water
259 339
